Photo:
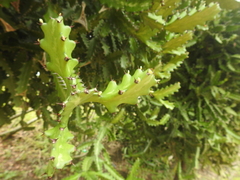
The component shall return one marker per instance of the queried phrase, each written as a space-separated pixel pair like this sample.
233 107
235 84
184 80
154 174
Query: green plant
70 89
138 45
212 92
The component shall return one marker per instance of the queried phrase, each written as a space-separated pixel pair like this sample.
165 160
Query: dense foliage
116 39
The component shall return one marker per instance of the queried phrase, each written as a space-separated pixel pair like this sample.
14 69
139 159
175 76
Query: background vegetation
202 129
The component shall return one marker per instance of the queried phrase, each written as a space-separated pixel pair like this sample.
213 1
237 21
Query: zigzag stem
60 135
73 93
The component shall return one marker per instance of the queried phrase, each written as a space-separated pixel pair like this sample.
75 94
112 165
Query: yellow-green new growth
59 47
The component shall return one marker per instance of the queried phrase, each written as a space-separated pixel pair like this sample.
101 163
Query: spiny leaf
91 48
141 115
76 176
85 40
24 77
167 104
160 94
163 71
85 145
122 22
87 162
153 122
234 96
89 175
98 28
119 116
113 172
154 21
155 113
46 115
50 169
104 175
164 8
131 5
164 119
105 48
144 33
229 4
5 66
198 18
98 145
107 157
154 45
177 42
134 170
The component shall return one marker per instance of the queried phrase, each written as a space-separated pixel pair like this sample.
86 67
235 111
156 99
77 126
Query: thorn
67 58
51 158
126 72
73 93
95 90
62 104
86 91
151 95
71 78
63 38
99 93
136 81
120 92
61 128
59 20
71 163
37 42
60 14
40 22
54 141
58 120
74 86
149 72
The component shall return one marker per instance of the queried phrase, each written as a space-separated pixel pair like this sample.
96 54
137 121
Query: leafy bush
137 45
